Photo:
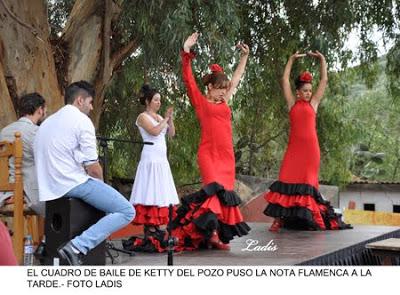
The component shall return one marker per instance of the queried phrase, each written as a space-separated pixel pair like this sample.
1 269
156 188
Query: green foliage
336 135
393 70
118 121
360 106
376 148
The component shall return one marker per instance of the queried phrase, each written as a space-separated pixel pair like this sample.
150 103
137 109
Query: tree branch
120 55
271 138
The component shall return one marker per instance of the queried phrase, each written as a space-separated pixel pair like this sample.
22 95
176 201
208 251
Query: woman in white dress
154 189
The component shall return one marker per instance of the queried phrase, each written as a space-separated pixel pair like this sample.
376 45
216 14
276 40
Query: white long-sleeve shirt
64 143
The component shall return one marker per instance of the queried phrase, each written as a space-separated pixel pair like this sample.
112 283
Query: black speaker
67 218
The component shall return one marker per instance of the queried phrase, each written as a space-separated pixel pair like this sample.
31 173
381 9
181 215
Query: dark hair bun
146 94
145 88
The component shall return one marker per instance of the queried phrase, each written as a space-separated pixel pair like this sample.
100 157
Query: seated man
32 109
67 166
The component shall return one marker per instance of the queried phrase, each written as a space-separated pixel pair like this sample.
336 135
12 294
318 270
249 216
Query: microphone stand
172 241
103 142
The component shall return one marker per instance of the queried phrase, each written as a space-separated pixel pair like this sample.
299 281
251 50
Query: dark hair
216 79
29 103
298 84
76 89
146 94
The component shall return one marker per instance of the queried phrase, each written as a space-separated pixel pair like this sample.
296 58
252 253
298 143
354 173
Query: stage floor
293 247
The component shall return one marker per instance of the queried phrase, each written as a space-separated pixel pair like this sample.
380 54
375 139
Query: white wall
383 200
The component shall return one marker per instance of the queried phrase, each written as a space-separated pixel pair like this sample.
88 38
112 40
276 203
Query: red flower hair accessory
306 77
216 68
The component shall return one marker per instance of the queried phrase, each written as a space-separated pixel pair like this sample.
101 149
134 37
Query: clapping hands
169 113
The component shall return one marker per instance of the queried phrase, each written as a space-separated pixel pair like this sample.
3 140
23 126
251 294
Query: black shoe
154 231
66 252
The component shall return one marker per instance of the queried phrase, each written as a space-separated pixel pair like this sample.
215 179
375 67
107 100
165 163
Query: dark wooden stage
346 247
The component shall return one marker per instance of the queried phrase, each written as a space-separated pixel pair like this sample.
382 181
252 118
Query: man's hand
95 170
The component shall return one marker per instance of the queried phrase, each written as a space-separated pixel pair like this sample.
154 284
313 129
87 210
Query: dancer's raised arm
237 75
323 82
192 89
287 91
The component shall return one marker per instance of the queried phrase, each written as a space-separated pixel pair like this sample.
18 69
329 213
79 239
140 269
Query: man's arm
87 150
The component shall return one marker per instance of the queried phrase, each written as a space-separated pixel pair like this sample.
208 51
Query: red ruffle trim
305 201
230 215
152 215
227 215
184 232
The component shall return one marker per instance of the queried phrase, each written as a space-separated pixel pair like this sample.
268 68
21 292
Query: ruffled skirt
200 214
302 207
211 209
151 215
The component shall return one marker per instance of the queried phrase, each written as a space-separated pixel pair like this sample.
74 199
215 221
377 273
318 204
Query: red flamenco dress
215 206
295 197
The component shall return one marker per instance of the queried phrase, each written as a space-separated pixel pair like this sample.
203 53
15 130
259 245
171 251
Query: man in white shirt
67 166
32 111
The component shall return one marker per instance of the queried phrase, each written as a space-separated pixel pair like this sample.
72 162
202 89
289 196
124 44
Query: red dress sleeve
193 91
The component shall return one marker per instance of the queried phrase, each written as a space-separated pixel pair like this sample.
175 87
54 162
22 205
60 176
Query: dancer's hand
190 41
316 54
297 55
244 49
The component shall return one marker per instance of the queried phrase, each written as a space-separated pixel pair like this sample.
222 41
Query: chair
16 208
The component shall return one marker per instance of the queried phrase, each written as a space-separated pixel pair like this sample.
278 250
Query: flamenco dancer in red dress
211 216
294 200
